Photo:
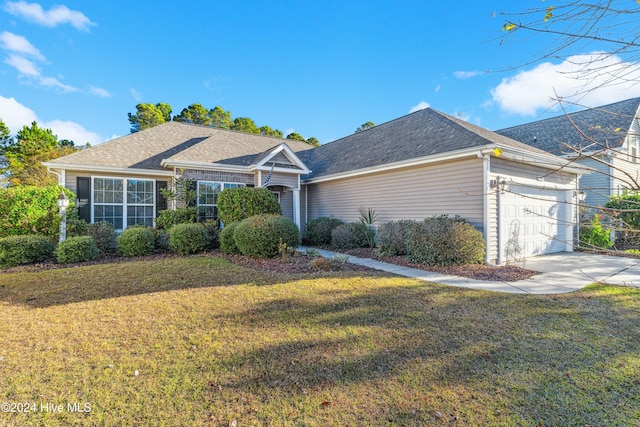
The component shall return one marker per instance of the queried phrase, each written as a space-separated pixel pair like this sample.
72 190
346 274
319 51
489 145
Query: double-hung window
123 202
207 197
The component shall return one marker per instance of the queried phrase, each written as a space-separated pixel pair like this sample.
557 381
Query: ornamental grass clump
262 235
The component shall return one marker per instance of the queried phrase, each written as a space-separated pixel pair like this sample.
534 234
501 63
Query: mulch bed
506 273
300 263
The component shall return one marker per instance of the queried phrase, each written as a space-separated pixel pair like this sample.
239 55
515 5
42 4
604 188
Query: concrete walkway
559 273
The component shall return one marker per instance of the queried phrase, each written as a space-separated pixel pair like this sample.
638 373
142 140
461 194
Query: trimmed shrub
626 210
169 217
350 236
227 239
213 234
392 237
261 235
594 236
445 241
103 235
136 241
319 230
236 204
28 249
28 210
76 249
185 239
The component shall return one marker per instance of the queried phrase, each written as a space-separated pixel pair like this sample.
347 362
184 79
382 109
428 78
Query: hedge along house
119 181
428 163
606 139
423 164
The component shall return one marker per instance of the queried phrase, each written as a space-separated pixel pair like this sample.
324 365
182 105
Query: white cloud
421 106
136 95
16 115
24 66
437 89
98 91
52 18
19 44
72 131
466 74
607 79
53 82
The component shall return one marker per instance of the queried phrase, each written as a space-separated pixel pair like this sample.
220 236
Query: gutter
108 169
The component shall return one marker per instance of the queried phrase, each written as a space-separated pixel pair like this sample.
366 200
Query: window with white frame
207 197
113 205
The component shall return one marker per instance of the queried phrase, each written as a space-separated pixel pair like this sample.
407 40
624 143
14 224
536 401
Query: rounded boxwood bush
319 230
76 249
445 241
185 239
27 249
103 235
236 204
350 236
227 239
136 241
392 237
262 235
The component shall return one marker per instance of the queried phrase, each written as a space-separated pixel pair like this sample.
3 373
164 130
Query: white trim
288 153
127 171
296 208
486 170
124 203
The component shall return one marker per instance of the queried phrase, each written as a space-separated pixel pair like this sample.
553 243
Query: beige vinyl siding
492 233
286 204
504 167
597 184
453 188
286 180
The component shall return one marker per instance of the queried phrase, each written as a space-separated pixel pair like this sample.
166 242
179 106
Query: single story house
426 163
605 139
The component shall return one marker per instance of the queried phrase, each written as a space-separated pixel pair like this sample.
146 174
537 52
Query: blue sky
317 68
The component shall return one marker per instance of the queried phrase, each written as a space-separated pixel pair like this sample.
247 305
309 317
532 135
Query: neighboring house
606 139
423 164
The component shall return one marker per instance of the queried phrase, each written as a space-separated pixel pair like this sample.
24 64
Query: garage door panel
530 219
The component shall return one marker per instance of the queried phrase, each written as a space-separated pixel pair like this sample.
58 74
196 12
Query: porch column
296 207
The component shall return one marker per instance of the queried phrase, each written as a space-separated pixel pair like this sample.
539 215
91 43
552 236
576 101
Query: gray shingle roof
178 141
598 123
423 133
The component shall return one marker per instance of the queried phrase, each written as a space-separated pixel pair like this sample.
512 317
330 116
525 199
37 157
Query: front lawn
200 341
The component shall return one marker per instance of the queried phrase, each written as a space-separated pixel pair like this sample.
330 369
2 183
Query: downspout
485 202
60 175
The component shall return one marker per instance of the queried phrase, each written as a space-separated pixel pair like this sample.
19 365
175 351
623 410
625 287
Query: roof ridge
601 108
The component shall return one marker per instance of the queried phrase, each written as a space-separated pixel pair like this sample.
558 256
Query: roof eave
106 169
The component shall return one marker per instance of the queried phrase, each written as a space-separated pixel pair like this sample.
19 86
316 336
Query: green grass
200 341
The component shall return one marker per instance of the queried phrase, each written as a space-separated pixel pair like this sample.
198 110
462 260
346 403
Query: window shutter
161 202
83 197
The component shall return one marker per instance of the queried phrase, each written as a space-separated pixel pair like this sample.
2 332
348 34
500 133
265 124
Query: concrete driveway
581 267
559 273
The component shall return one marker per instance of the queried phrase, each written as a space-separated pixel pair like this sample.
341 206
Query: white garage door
532 221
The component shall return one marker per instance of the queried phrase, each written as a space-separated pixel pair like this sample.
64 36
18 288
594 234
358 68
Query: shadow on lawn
535 358
80 283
